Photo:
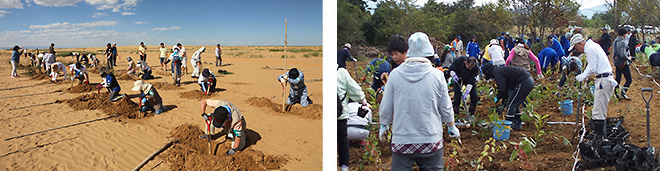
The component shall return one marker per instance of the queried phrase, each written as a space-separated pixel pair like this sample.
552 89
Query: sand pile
81 88
165 86
191 153
124 76
312 111
196 94
124 107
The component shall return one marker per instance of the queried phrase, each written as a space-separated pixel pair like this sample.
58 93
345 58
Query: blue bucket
566 107
500 132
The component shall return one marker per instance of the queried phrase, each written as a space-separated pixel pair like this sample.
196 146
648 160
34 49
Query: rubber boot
616 92
623 93
517 122
598 127
511 118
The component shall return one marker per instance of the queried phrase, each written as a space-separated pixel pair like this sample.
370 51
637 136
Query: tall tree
350 19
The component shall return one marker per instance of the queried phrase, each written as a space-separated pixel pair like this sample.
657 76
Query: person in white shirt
496 53
196 61
599 65
79 72
146 70
175 57
55 68
49 59
359 117
218 56
184 58
207 81
163 54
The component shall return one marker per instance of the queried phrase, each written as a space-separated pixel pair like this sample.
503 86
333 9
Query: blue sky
93 23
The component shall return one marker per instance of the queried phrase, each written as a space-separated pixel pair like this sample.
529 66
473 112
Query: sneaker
624 96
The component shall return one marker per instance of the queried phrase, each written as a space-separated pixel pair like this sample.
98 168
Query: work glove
496 100
99 86
232 151
86 82
144 100
580 77
365 103
468 88
563 68
354 60
206 117
382 131
453 132
142 95
282 80
540 76
453 76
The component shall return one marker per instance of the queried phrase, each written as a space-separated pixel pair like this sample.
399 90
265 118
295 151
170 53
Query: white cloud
66 25
159 29
3 12
11 4
114 5
56 3
165 28
141 22
127 13
99 14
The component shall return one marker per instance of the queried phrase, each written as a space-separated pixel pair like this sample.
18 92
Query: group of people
414 82
225 115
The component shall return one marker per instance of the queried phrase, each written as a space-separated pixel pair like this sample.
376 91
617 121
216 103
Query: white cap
419 45
493 41
577 38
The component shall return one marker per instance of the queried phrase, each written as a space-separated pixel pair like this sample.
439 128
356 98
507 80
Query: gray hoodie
416 102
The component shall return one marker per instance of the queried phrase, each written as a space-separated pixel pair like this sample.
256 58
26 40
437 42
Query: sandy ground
121 144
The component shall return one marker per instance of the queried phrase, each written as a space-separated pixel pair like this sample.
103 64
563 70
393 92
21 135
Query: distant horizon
46 47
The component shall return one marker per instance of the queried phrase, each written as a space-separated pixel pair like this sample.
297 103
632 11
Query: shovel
208 133
648 127
208 89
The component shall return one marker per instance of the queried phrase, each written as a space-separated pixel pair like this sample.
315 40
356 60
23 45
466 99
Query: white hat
139 85
419 45
493 41
577 38
347 45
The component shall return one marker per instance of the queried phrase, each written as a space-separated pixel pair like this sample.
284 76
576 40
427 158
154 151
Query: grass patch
316 54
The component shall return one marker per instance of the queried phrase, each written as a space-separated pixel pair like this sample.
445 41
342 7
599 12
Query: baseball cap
493 41
575 40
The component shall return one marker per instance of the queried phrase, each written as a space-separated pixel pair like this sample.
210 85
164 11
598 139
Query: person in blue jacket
380 73
565 43
473 48
110 82
15 57
298 92
547 56
555 45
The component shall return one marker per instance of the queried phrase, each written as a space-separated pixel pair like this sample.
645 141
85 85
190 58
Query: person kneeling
359 117
298 92
150 100
207 81
227 116
145 70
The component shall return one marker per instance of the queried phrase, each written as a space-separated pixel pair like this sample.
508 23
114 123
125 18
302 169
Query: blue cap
503 33
458 37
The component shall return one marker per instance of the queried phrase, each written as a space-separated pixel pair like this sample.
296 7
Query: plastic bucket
566 107
501 132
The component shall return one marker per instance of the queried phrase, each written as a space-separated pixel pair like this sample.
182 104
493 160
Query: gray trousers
430 161
602 95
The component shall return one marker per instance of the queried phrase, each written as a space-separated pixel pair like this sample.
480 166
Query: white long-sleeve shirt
218 51
197 56
347 88
597 61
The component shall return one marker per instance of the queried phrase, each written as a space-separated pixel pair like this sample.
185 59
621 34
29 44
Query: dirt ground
551 153
122 143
